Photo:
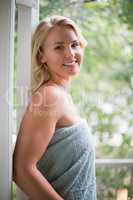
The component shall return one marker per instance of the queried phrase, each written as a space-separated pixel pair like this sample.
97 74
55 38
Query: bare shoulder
47 100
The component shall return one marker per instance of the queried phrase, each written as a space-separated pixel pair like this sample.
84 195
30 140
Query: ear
41 57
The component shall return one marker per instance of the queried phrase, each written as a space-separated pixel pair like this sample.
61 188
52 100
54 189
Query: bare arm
36 131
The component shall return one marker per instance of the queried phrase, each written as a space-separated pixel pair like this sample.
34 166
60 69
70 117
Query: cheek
53 58
54 62
56 56
79 55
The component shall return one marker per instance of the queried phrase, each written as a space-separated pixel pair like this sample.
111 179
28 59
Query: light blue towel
69 162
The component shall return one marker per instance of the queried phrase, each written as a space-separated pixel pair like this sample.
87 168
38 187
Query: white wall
28 16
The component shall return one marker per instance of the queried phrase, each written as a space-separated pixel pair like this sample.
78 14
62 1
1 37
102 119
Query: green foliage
115 179
13 191
126 12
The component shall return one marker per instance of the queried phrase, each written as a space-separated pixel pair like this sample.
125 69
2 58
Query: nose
69 52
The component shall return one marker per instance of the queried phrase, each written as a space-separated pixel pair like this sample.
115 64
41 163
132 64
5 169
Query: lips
69 64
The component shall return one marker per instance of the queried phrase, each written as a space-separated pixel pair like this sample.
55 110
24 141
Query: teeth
69 63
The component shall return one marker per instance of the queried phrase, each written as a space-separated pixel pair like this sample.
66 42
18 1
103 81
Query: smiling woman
54 155
61 52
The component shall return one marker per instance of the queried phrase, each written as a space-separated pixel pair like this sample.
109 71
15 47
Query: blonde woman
54 155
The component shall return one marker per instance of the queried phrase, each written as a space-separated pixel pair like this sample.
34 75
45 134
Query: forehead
63 34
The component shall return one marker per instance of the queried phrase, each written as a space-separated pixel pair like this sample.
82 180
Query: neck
64 83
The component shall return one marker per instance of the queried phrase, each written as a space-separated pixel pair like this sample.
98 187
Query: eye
75 44
59 47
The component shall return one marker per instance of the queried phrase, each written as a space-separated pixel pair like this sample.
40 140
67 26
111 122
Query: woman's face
62 52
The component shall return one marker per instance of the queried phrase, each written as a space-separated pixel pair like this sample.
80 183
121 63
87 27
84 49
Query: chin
74 72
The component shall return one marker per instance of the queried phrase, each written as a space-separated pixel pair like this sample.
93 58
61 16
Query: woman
54 155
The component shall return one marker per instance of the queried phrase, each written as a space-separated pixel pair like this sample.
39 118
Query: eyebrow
60 42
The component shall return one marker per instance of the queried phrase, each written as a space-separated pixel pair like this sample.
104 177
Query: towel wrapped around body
69 162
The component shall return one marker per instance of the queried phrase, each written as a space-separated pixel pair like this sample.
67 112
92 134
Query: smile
70 63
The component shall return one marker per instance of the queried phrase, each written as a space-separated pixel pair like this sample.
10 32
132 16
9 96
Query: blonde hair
40 72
